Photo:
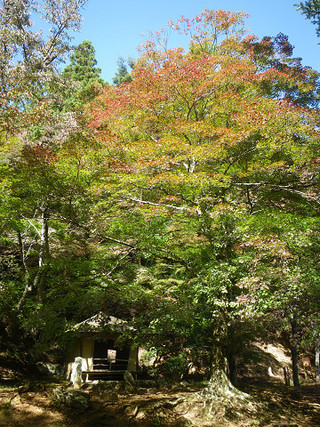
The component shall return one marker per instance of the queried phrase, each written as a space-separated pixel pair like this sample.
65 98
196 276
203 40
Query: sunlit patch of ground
27 409
176 406
31 402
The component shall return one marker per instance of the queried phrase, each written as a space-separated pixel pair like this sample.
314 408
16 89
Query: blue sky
115 27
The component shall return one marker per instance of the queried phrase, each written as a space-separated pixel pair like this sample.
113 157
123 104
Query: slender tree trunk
294 352
316 350
27 285
44 242
44 248
317 360
35 284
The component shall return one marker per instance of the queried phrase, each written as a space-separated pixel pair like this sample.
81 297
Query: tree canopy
184 199
207 142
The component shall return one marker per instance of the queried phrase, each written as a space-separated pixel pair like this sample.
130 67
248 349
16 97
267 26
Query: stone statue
76 374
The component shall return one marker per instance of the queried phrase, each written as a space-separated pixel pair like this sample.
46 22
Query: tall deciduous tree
28 75
32 140
205 139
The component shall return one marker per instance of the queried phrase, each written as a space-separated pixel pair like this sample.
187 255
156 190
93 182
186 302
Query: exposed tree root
221 397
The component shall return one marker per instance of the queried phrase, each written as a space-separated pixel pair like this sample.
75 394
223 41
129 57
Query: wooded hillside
184 200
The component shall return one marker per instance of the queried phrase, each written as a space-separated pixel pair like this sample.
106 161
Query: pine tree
82 70
122 74
83 65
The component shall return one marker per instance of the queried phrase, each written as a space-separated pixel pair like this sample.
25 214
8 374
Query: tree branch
133 199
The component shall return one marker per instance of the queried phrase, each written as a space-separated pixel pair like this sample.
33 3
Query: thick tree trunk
220 391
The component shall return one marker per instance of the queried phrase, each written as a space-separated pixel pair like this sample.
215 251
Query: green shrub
176 366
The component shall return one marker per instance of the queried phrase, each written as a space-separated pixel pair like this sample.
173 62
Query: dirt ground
27 400
35 404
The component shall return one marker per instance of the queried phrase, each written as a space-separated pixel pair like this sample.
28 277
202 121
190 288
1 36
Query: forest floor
29 400
34 404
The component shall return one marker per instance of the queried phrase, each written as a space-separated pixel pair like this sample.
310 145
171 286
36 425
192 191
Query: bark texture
220 392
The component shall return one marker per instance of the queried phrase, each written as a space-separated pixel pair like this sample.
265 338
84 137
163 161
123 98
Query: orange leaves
208 111
207 27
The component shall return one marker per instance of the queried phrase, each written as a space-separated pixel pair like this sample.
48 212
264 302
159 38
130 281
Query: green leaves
311 9
188 203
213 154
82 71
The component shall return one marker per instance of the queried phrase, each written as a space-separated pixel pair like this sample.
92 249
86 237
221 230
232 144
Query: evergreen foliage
83 72
82 67
311 9
122 74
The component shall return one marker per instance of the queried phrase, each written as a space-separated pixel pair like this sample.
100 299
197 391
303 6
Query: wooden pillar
133 358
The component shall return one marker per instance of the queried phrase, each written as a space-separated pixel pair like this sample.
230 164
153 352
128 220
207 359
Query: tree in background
41 184
122 74
311 9
284 283
28 58
82 69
